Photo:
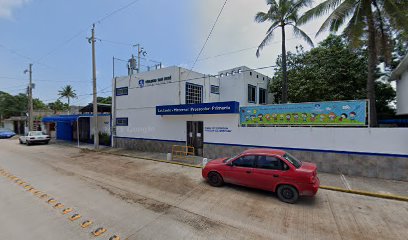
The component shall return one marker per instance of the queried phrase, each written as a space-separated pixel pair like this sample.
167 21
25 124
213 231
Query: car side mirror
230 164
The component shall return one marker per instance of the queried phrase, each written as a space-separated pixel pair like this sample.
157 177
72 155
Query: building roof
16 118
102 108
68 118
402 67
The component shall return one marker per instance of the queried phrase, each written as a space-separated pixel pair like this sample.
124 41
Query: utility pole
95 104
30 97
140 52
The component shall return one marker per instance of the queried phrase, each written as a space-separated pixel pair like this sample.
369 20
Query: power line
209 35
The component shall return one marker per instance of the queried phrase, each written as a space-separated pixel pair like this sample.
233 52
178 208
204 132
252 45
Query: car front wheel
215 179
288 194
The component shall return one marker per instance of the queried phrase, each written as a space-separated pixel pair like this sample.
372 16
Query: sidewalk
374 185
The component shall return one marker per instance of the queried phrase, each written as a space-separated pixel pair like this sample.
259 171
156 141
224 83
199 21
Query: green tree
364 20
282 14
107 100
67 92
58 106
331 71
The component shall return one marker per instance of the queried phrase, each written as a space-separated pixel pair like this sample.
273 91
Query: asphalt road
140 199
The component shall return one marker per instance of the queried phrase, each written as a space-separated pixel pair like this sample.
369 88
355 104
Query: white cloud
237 30
7 7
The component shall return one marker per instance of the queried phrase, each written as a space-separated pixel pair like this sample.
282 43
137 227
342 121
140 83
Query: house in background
400 75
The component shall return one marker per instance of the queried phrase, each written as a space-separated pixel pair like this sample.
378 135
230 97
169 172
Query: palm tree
282 14
67 92
364 20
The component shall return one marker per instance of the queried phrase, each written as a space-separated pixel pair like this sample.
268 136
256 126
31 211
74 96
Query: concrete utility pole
95 103
140 52
30 97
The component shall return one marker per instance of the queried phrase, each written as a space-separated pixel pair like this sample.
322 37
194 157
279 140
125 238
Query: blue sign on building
201 108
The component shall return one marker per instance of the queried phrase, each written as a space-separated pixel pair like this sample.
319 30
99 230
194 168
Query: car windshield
229 159
5 130
36 133
295 162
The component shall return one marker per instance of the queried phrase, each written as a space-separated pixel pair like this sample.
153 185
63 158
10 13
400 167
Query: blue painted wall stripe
282 148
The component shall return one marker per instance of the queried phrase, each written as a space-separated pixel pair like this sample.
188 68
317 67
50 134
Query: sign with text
347 113
201 108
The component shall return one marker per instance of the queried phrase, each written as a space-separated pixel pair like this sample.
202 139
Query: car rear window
295 162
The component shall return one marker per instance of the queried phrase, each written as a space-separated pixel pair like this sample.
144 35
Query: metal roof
68 118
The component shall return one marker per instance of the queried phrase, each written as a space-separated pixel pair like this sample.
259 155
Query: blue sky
38 31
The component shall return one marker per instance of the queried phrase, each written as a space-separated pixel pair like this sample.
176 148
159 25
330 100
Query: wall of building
370 152
234 84
402 96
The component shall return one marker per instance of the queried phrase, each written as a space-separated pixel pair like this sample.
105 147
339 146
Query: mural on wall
345 113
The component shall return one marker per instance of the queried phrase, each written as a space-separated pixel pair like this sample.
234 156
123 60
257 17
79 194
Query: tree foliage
17 105
330 72
67 92
282 14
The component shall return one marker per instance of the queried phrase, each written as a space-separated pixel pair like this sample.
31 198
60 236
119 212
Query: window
250 73
268 162
251 93
215 89
262 96
295 162
245 161
122 91
257 76
167 78
121 121
194 93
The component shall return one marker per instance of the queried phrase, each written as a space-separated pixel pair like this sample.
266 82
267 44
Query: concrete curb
337 189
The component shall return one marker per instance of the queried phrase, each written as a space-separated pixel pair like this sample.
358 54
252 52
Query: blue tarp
68 118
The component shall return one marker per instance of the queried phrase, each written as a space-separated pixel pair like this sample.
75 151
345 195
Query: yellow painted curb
370 194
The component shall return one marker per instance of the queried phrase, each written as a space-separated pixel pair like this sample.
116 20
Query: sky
52 34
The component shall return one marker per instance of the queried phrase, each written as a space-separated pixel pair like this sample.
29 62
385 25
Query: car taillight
312 179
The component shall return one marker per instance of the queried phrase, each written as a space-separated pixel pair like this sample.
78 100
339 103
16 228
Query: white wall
402 94
234 85
103 125
144 123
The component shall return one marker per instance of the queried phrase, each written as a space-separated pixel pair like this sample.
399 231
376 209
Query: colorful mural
350 113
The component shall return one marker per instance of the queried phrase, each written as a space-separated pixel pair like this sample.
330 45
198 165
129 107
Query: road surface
141 199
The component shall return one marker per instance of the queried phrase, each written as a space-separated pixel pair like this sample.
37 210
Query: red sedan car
267 169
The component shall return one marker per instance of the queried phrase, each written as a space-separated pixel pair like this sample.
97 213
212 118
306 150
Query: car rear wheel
215 179
27 143
287 193
21 142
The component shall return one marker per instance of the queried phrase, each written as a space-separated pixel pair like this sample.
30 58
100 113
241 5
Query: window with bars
194 93
215 89
262 96
121 121
251 93
122 91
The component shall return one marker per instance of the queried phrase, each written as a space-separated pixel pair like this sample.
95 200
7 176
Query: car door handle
275 175
248 172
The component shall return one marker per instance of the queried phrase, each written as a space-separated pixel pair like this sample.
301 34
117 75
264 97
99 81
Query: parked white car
34 137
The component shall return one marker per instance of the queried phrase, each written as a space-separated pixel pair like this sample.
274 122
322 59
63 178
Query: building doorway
195 136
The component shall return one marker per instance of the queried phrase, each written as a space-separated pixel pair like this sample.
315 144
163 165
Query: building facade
400 75
175 106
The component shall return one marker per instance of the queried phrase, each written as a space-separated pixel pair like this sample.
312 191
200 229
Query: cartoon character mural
268 117
304 117
353 116
322 117
313 117
332 116
275 117
296 117
246 118
342 117
253 118
281 117
260 117
288 117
